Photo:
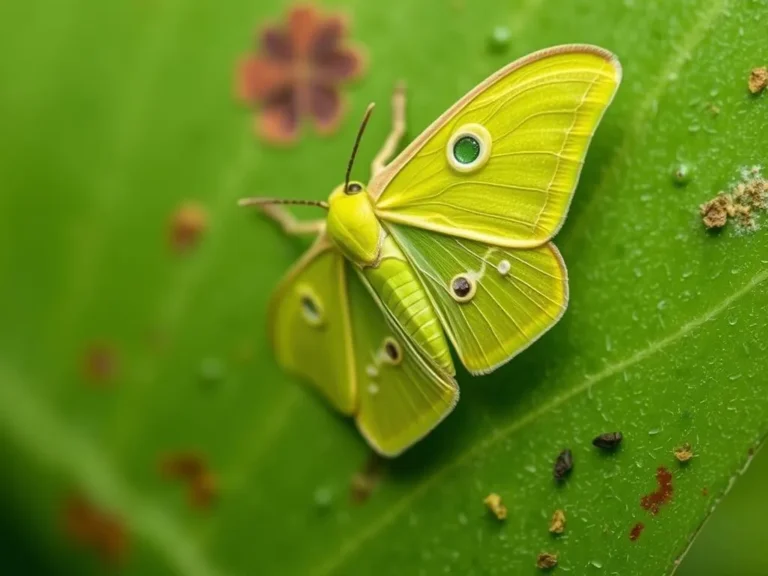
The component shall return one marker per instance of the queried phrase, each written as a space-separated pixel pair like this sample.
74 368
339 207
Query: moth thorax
353 225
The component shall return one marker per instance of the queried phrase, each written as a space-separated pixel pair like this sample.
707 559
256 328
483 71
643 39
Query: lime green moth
448 242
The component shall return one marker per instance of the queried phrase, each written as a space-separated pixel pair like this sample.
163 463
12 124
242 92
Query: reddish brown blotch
88 526
188 223
663 493
636 531
296 72
99 363
191 469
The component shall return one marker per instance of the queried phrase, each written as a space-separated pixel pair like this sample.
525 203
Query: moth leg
290 224
397 132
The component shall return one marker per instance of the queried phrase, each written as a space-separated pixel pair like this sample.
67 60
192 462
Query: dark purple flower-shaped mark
297 73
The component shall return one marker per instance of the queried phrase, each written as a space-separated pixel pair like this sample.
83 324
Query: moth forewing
532 123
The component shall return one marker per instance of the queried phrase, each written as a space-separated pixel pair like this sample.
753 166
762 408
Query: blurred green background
118 348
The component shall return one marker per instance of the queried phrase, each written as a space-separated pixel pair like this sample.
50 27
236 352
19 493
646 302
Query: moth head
352 223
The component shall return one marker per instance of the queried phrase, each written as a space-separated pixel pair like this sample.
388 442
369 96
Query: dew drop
596 563
499 39
323 497
504 267
682 174
211 370
733 320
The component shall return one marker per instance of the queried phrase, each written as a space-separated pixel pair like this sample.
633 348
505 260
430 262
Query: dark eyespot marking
392 351
354 188
311 309
463 288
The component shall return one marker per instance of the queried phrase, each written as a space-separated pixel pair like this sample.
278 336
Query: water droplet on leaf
499 40
682 174
211 370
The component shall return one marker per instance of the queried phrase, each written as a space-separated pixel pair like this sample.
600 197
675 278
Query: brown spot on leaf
758 79
714 213
683 453
495 505
663 493
557 525
636 531
203 490
191 469
101 532
297 72
364 482
187 225
546 561
705 491
100 363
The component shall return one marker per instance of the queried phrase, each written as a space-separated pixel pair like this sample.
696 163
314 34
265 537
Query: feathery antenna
265 201
363 124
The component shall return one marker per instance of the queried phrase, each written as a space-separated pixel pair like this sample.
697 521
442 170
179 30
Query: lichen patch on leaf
557 525
683 453
495 505
297 72
741 203
758 79
546 561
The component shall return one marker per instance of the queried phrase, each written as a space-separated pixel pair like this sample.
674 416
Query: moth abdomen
402 294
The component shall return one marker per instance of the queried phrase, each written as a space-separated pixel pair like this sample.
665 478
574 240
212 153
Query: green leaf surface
114 113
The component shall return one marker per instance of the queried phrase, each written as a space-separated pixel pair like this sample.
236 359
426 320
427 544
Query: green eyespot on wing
493 302
401 397
310 326
502 164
